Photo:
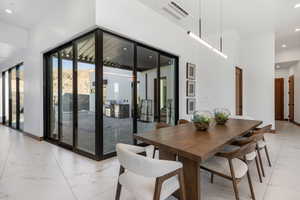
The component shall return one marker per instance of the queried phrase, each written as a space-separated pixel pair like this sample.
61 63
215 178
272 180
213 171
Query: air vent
178 9
175 10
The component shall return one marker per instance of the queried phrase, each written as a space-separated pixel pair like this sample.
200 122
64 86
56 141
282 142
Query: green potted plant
202 120
221 115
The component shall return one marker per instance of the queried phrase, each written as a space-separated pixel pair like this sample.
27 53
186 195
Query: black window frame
9 124
98 33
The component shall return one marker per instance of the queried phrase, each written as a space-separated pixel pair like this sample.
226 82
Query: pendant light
203 42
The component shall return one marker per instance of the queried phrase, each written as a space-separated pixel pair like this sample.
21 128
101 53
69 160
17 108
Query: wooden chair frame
158 184
238 154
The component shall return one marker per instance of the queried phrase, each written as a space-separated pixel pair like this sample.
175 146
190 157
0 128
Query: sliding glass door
13 97
118 56
101 89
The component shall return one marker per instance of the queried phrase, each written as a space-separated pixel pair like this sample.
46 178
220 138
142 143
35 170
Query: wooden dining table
193 147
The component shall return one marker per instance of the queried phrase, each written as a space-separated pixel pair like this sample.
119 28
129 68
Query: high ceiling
26 13
247 17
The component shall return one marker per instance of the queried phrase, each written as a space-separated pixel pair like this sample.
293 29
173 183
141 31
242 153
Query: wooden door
239 91
291 98
279 99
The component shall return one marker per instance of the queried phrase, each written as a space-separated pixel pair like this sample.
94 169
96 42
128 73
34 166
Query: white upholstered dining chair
146 178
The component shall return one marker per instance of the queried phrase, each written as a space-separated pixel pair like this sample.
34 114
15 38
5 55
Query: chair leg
261 163
212 178
234 182
250 185
118 193
119 186
182 185
157 191
258 169
268 157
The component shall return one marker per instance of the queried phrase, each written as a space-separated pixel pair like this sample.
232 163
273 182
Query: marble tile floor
32 170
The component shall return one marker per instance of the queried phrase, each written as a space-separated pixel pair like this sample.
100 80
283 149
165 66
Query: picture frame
190 106
190 71
190 88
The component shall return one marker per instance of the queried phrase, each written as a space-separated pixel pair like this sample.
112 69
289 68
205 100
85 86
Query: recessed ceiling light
125 48
283 46
297 5
277 66
297 29
9 11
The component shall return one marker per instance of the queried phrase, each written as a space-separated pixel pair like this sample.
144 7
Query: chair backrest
130 159
183 121
243 150
160 125
241 117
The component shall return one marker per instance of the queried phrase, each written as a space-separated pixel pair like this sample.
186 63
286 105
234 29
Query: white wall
284 73
215 76
67 20
258 61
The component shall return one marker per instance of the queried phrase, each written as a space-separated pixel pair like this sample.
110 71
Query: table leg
192 178
166 155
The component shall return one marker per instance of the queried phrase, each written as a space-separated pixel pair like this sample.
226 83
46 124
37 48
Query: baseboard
296 123
33 136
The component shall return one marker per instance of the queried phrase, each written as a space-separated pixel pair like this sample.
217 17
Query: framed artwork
190 106
190 88
190 71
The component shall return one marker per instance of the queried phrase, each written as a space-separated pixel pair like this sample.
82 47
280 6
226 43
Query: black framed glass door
13 97
102 88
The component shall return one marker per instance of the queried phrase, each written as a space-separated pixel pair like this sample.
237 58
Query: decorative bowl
202 120
221 115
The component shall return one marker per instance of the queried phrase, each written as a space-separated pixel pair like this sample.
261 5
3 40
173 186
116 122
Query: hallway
39 170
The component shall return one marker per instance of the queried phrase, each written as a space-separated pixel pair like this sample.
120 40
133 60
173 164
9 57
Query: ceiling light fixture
9 11
297 30
283 46
277 66
125 48
297 5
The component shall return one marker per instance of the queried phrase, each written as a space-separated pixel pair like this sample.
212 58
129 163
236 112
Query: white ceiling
26 13
285 65
247 17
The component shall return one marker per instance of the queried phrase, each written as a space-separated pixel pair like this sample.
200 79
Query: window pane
86 94
147 89
117 92
13 98
6 98
167 90
54 96
21 90
67 96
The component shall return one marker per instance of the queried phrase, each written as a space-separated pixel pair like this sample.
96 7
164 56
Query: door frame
279 105
291 96
238 91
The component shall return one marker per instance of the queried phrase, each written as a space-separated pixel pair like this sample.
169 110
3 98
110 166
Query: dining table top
188 142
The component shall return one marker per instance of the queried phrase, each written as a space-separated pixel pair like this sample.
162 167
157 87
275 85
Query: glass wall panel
66 112
167 90
118 56
21 96
13 83
86 98
147 89
53 96
7 98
